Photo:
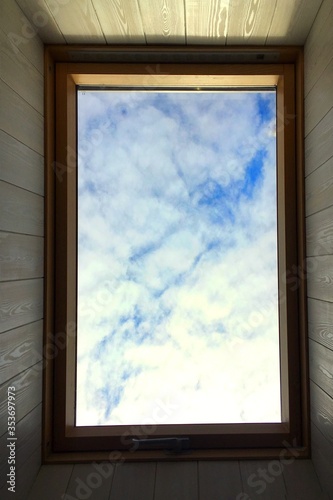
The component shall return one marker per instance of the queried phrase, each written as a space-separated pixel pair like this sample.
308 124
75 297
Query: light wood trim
47 410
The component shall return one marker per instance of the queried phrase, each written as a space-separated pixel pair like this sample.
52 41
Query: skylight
177 258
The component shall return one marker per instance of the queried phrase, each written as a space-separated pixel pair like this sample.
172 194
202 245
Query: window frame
61 439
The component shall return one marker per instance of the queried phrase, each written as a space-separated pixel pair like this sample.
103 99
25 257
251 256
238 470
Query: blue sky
177 258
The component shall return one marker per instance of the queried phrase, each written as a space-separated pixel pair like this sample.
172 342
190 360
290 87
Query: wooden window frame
62 441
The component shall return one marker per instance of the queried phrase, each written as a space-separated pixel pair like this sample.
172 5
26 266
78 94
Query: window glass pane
177 258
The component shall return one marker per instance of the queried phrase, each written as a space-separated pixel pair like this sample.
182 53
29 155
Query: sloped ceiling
182 22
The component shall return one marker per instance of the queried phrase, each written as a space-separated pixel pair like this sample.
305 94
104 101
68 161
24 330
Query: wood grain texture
20 74
263 479
51 482
219 480
320 277
292 21
21 257
249 21
319 100
320 322
20 349
25 478
207 21
319 188
134 481
301 481
20 120
176 480
319 233
42 20
77 21
120 21
322 458
28 433
318 50
21 210
21 33
28 394
93 480
163 21
21 302
319 144
322 411
321 366
20 165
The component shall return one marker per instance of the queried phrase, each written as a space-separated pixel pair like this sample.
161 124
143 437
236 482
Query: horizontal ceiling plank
163 21
77 21
249 21
120 21
41 18
292 21
207 21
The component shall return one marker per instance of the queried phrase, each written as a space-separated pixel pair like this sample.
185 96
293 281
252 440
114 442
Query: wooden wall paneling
21 33
320 277
319 233
21 256
19 349
301 481
249 21
20 120
321 366
207 21
17 70
319 188
51 482
77 21
319 144
21 302
220 479
28 432
134 481
25 478
20 165
120 21
176 480
292 21
163 21
91 481
319 100
321 322
322 458
263 479
28 394
41 17
22 211
322 411
318 50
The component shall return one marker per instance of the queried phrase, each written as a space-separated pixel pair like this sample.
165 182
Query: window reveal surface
177 258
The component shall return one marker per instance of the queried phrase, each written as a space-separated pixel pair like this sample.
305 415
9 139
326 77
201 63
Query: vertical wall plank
263 479
21 302
176 480
51 482
91 481
134 481
21 257
301 481
20 165
219 480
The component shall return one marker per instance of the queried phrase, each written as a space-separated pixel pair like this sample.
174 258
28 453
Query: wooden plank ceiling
222 22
